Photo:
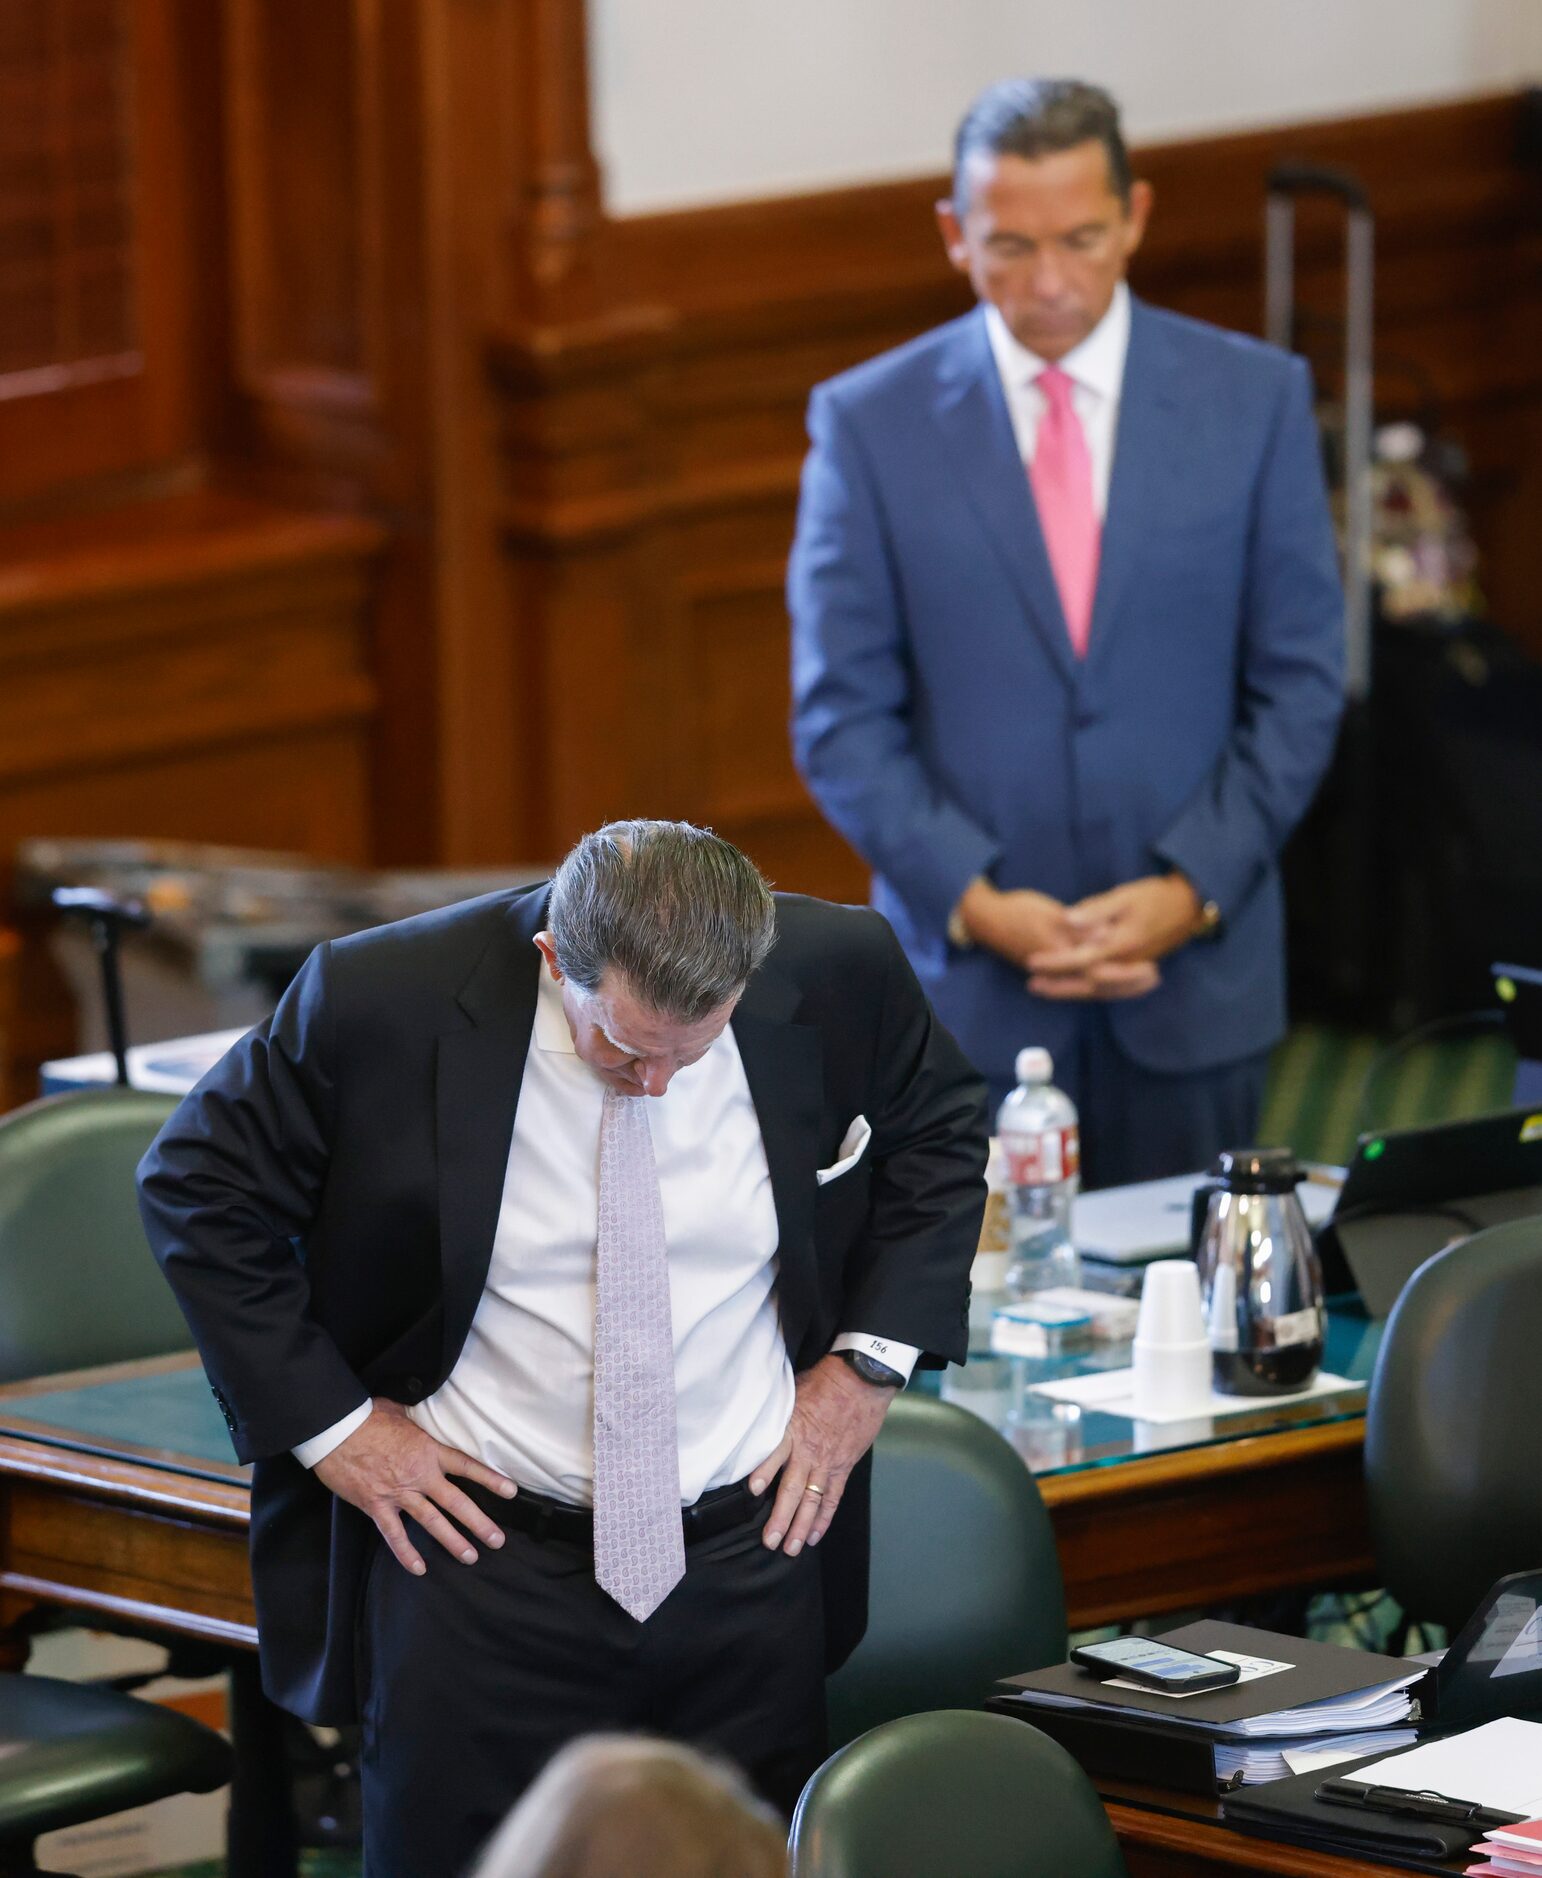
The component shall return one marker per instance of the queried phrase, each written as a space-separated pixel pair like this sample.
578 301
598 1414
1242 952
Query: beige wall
712 100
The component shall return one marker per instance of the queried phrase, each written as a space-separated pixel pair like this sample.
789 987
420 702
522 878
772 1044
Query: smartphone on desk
1155 1665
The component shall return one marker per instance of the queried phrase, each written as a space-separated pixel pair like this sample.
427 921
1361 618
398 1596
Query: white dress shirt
1096 370
521 1394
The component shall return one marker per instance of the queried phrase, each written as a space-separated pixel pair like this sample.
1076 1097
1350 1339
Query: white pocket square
851 1151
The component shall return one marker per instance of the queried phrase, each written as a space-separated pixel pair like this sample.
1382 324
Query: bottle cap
1257 1170
1035 1064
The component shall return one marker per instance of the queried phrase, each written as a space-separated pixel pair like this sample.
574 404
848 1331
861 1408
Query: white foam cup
1171 1353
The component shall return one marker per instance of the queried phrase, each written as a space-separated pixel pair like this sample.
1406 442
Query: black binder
1289 1810
1141 1734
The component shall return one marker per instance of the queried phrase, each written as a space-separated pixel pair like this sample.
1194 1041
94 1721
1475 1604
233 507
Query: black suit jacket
324 1205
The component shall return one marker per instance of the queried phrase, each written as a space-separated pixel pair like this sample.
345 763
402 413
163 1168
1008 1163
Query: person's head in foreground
623 1806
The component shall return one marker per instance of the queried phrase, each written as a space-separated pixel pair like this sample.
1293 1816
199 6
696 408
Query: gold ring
811 1488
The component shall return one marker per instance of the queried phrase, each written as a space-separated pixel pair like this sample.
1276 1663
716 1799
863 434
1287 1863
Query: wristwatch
871 1370
1209 922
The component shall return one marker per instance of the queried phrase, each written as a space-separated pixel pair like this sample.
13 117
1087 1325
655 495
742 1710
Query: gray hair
612 1804
1031 117
676 911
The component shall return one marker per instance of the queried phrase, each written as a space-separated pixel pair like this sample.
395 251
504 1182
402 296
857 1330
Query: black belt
716 1512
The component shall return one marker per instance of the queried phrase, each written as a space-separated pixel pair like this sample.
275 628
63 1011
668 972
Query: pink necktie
639 1543
1061 477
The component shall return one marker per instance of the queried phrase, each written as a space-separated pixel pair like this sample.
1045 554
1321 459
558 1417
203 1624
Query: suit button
1086 719
412 1388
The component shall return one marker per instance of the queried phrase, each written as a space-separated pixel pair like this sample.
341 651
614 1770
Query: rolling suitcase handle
1287 182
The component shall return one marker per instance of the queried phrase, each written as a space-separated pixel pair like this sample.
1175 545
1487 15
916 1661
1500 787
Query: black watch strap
871 1370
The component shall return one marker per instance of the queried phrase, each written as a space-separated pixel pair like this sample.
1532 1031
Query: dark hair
1030 117
678 912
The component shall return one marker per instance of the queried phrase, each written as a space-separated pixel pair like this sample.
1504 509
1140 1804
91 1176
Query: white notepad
1497 1765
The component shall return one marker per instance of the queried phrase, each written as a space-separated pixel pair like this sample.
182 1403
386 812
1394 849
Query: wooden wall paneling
193 668
336 341
473 83
306 272
206 624
575 521
102 192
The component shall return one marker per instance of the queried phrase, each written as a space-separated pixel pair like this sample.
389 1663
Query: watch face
871 1370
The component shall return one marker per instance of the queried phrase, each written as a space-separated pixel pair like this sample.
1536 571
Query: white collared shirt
521 1394
1096 370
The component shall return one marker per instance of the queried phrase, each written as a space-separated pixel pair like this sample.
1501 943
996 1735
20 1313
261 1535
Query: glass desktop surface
1064 1437
159 1413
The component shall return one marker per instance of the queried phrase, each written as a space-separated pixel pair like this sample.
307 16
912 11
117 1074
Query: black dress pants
472 1675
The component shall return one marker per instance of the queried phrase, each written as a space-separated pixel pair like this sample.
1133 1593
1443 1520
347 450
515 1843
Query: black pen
1414 1804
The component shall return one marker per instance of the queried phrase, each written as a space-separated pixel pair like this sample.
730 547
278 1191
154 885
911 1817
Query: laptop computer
1410 1192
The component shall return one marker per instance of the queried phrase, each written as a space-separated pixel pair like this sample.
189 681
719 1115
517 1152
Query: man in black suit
553 1394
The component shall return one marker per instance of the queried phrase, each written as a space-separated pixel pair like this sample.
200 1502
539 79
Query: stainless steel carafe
1260 1279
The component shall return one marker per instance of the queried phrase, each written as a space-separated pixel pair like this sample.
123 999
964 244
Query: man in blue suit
1067 651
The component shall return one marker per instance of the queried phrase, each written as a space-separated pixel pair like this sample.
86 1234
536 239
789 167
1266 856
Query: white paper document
1113 1391
1270 1760
1497 1765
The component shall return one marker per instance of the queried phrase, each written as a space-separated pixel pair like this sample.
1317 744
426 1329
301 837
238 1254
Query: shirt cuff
308 1453
898 1356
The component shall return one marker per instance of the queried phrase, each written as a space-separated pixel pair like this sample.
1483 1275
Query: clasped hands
1103 947
389 1467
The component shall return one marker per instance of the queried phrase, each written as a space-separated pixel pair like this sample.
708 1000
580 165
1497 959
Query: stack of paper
1377 1707
1318 1734
1293 1696
1249 1763
1511 1851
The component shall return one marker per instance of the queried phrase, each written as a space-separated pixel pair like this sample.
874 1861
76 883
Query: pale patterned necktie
639 1544
1061 476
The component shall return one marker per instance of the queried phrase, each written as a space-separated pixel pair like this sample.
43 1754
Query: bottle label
1044 1159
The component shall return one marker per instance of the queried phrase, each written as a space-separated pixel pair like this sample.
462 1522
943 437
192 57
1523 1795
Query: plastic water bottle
1040 1139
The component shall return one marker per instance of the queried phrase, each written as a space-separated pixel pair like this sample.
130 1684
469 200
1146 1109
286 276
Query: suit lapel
783 1065
971 412
1145 443
481 1062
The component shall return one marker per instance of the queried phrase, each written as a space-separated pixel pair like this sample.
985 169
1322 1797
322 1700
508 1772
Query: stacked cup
1171 1355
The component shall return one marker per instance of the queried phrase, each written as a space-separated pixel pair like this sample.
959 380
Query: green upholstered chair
965 1585
73 1752
78 1283
952 1792
1450 1434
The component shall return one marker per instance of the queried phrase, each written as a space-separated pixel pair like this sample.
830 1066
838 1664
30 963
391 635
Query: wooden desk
162 1543
123 1542
1181 1835
1202 1526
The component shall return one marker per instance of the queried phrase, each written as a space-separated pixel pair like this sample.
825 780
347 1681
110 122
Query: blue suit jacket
947 729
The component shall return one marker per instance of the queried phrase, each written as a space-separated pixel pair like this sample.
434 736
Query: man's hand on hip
1117 938
834 1421
388 1466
